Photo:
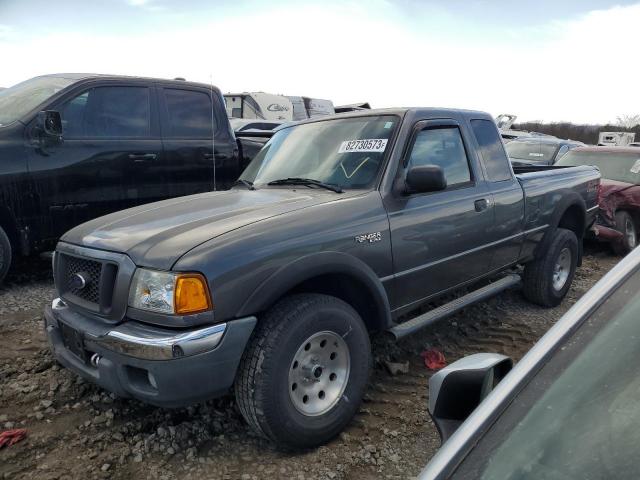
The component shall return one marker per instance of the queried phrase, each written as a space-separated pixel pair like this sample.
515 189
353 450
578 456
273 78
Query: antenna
213 135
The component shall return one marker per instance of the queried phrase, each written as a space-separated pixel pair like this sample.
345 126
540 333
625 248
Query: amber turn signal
191 294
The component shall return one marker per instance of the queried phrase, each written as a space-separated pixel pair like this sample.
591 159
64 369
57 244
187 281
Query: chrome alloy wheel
319 373
561 269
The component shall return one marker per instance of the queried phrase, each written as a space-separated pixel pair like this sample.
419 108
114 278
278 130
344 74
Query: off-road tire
625 245
5 254
538 275
262 381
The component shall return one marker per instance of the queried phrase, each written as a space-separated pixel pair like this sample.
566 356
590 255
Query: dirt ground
76 430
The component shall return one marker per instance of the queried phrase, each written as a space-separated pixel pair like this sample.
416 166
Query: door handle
481 205
142 157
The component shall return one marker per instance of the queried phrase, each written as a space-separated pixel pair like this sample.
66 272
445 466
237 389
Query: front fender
314 265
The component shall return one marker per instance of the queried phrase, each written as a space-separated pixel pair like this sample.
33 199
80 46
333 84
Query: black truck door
438 238
188 121
108 131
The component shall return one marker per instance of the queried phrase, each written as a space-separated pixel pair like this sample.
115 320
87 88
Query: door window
190 114
563 149
442 147
491 150
108 112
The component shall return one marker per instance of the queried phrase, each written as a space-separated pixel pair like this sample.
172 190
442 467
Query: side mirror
456 390
50 124
425 178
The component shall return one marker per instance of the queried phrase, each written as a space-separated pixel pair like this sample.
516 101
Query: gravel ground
76 430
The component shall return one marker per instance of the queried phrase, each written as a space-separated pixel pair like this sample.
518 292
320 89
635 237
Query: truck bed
545 186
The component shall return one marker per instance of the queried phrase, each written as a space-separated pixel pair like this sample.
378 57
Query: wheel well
635 215
349 289
573 219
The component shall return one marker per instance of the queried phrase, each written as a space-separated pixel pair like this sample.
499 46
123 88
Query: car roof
546 140
458 446
103 76
608 149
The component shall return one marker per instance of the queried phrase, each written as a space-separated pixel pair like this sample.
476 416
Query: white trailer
266 106
616 139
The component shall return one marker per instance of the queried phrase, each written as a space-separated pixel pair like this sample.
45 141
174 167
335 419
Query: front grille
87 282
88 269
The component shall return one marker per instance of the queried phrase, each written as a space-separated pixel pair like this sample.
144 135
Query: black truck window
492 151
442 147
189 114
108 112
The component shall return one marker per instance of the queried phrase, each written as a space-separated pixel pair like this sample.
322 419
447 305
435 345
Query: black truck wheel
302 377
548 278
629 240
5 254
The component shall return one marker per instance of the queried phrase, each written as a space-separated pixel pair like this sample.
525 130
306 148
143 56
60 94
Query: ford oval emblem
78 281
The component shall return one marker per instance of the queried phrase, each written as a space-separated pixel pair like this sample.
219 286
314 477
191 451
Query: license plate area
72 339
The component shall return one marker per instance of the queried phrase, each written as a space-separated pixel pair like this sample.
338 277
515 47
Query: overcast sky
549 60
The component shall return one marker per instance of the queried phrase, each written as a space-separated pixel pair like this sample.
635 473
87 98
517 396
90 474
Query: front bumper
160 366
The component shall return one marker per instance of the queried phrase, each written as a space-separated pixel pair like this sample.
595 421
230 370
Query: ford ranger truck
341 226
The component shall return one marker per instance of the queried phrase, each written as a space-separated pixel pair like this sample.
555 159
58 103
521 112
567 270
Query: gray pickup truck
341 226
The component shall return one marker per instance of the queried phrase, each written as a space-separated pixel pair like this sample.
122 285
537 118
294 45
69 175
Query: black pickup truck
342 226
78 146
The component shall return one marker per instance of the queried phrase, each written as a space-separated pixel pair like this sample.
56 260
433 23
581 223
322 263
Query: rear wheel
5 254
303 374
548 278
629 240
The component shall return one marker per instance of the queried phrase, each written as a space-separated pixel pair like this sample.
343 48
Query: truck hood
158 234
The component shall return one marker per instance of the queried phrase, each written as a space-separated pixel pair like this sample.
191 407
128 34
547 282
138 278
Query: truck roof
434 112
103 76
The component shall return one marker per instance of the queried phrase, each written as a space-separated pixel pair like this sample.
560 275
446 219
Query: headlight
171 293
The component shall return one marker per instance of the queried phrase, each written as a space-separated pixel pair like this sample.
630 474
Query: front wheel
548 278
303 374
629 240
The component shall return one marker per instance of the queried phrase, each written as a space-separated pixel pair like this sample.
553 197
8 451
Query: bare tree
628 121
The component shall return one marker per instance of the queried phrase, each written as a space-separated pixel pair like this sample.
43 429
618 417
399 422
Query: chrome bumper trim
152 343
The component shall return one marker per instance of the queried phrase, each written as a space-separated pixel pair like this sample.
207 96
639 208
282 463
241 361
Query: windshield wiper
246 183
306 181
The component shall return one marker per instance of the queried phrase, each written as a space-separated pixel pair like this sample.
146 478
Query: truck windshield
346 152
531 151
20 99
619 166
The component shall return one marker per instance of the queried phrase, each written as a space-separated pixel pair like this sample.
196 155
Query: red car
618 221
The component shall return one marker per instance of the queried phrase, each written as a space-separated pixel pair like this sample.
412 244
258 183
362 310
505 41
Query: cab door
439 238
198 154
108 131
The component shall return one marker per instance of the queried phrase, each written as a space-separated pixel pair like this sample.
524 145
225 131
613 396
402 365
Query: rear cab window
491 151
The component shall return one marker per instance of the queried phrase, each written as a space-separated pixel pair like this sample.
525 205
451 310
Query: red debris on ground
434 359
11 437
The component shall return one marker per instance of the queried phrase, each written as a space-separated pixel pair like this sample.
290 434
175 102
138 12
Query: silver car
570 409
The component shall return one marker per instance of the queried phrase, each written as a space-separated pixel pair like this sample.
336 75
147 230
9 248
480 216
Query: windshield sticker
388 125
367 145
536 155
636 167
